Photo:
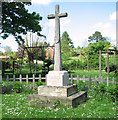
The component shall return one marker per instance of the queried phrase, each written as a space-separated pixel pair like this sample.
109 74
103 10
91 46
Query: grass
93 73
16 106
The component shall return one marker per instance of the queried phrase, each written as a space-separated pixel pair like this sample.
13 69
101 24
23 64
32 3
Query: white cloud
42 2
102 25
10 41
107 29
112 16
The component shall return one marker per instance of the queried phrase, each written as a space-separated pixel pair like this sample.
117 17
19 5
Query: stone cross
57 16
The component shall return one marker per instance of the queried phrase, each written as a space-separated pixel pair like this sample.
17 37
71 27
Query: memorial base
67 95
57 78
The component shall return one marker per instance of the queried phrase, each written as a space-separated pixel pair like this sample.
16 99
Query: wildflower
113 103
40 111
82 114
56 109
84 105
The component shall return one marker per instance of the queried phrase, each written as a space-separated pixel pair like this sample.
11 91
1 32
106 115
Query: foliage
110 92
16 20
20 88
73 64
91 53
8 51
66 46
96 37
17 87
39 83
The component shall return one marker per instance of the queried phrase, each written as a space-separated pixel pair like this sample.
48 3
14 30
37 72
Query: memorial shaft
57 57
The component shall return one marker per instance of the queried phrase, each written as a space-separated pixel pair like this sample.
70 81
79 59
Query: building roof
4 57
52 48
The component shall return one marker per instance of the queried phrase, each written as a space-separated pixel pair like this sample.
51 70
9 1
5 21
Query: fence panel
33 78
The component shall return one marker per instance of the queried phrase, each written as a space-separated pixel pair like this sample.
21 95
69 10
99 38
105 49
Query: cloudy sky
84 18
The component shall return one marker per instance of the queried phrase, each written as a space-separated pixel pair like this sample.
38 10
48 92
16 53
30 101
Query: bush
39 83
19 88
73 64
108 92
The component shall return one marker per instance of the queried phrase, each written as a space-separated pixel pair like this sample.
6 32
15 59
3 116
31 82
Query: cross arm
63 15
51 16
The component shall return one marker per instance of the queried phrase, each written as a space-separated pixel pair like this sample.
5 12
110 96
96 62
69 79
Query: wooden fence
71 80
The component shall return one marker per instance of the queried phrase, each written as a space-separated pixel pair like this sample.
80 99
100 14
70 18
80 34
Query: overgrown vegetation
101 103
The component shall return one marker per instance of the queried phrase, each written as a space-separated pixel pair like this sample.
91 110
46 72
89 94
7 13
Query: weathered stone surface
57 57
57 78
73 100
63 91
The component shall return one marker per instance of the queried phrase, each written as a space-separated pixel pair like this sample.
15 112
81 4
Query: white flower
56 109
82 114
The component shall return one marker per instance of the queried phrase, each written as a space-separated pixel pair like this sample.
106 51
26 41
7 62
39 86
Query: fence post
84 79
39 76
101 79
27 80
33 81
107 81
77 78
20 78
71 79
7 80
113 82
89 82
14 79
100 74
96 80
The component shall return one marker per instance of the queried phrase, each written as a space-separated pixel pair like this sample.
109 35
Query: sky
84 18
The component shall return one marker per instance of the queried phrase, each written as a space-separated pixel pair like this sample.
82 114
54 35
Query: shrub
39 83
17 87
102 90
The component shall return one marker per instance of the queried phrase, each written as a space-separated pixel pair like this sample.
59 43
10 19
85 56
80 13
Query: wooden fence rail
71 79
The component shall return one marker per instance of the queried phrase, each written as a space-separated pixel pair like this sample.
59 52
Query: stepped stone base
60 91
67 95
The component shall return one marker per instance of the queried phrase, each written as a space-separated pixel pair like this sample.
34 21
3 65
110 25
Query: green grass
93 73
16 106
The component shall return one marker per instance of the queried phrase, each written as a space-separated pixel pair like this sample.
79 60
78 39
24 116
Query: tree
78 47
66 45
8 51
92 55
16 20
96 37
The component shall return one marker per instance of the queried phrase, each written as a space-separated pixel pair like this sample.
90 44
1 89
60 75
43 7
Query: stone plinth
64 91
57 78
73 100
67 95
